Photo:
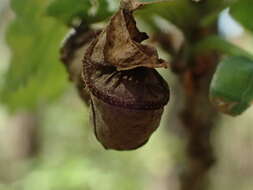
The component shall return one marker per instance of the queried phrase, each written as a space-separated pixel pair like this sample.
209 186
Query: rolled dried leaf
122 128
127 94
127 105
119 45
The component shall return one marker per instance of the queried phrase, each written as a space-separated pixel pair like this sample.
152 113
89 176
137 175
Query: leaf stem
215 42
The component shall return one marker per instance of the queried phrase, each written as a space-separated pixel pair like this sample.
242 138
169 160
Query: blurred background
53 146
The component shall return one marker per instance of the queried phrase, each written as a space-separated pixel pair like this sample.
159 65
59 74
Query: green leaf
103 12
68 10
185 14
181 13
219 44
231 89
212 10
35 75
242 12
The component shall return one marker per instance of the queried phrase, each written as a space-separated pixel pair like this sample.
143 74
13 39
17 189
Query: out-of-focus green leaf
212 9
185 14
102 12
181 13
35 75
68 10
219 44
242 12
231 89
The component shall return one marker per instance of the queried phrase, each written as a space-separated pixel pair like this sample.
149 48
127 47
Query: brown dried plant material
126 105
72 54
119 45
127 94
122 128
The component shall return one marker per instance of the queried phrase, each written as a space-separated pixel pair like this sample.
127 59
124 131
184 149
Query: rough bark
198 116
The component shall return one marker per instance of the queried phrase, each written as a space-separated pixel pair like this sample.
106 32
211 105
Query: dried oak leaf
119 45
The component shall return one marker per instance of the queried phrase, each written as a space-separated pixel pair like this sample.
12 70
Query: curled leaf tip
120 45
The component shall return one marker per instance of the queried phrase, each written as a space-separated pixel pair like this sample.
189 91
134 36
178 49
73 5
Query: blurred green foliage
88 12
35 75
242 12
217 43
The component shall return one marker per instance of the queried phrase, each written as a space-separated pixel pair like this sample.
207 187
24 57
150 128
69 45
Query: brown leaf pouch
127 94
